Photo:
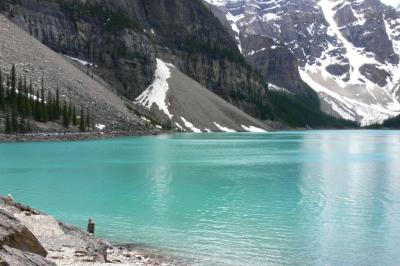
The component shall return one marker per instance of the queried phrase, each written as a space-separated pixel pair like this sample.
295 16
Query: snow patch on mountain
233 20
190 126
156 93
356 56
393 3
353 104
224 129
253 129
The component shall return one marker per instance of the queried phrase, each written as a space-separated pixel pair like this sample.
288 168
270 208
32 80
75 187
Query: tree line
22 103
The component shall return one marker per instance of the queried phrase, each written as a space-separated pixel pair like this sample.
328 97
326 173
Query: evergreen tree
7 88
69 113
31 102
49 106
28 126
65 115
19 95
14 121
2 94
57 104
82 121
87 119
36 108
74 120
22 103
12 85
22 126
45 115
8 124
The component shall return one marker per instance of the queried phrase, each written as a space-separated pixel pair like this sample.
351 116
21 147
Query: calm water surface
293 198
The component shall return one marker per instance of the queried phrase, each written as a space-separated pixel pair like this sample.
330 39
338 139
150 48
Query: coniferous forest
22 104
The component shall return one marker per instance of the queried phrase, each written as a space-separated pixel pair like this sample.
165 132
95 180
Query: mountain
125 42
347 50
123 54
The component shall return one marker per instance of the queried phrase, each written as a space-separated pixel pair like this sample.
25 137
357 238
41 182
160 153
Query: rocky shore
42 137
30 237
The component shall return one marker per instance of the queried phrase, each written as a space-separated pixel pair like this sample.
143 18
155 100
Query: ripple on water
286 198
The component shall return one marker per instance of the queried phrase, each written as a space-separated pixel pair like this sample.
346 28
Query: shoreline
31 237
71 136
74 136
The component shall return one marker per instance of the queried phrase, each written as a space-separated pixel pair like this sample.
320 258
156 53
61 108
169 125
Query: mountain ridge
120 42
347 50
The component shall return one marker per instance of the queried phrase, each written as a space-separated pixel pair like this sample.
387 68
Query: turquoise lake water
285 198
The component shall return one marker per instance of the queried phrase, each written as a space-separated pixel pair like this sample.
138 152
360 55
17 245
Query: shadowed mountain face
347 50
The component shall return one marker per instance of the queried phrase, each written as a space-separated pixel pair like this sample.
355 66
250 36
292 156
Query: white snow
224 129
82 62
270 16
356 57
100 126
234 19
254 52
349 107
145 119
156 93
179 126
274 87
190 125
253 129
217 2
393 3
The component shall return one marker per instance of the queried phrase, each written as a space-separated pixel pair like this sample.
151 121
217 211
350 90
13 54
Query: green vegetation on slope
295 111
113 21
393 123
22 104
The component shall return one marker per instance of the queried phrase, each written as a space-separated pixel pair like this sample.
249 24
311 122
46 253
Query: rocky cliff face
347 50
123 38
275 62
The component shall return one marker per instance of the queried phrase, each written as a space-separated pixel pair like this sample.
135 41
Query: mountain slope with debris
36 61
176 98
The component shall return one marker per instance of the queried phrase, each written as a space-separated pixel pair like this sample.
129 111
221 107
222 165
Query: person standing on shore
91 226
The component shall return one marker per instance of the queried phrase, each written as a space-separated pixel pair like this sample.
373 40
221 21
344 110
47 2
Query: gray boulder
16 257
13 234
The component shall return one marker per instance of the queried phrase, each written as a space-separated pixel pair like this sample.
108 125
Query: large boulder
14 257
13 234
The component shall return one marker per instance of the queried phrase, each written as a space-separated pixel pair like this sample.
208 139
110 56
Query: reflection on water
345 193
291 198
